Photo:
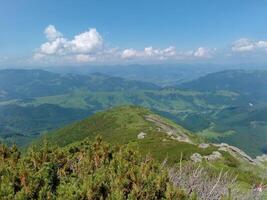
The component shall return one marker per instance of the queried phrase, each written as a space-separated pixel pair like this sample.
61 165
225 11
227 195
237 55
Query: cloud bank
89 46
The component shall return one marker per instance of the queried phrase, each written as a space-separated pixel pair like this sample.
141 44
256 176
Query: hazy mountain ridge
22 84
249 83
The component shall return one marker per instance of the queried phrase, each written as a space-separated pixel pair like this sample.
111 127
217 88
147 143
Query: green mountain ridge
151 134
231 114
145 158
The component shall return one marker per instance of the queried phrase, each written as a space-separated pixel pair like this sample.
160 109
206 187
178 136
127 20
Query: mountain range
227 106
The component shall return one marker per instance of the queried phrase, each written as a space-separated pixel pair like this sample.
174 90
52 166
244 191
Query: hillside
151 134
250 84
225 114
23 84
123 125
20 125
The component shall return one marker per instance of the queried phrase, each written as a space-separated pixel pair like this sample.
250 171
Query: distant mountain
20 125
250 84
21 84
218 106
160 74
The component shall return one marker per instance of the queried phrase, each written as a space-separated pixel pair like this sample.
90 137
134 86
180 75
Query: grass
121 125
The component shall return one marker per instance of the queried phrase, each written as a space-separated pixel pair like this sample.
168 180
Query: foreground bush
84 171
97 171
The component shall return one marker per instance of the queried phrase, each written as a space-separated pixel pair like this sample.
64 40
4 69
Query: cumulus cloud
87 42
169 53
89 46
201 52
243 45
247 45
149 53
261 44
129 53
57 45
51 33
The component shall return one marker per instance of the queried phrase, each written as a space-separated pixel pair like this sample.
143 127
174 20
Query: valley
227 112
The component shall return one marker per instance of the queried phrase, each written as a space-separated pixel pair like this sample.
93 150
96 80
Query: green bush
86 171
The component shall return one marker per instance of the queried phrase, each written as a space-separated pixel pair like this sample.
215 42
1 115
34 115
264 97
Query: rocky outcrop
234 151
203 145
196 157
173 132
262 158
215 155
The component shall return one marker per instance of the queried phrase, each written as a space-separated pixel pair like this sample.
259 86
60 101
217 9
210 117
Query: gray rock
203 145
196 157
141 135
214 156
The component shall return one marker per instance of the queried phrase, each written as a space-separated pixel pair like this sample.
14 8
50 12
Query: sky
84 32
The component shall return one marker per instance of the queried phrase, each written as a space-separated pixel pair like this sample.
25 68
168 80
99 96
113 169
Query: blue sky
59 32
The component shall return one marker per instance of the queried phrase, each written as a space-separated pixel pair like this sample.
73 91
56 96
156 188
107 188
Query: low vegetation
96 170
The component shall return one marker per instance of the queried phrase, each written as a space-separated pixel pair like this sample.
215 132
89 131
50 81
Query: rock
214 156
196 157
234 151
203 146
262 158
172 131
223 149
141 135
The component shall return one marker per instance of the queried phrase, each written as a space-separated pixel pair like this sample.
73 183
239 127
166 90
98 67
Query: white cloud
243 45
149 53
54 47
201 52
168 53
129 53
89 46
51 33
261 44
87 41
246 45
84 58
82 44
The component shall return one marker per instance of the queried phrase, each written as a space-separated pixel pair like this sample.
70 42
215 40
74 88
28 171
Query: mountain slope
207 107
20 125
251 84
123 125
21 84
138 126
152 134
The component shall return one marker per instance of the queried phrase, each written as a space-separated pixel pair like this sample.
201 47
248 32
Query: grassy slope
121 125
198 112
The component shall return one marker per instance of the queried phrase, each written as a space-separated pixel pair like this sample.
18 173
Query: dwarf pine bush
88 171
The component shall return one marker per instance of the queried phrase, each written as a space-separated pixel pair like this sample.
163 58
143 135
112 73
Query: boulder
141 135
196 157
